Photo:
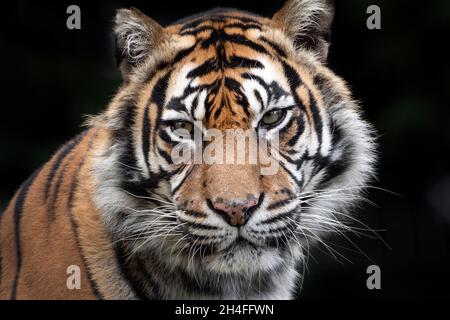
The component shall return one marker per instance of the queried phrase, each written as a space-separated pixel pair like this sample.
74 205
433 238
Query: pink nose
235 212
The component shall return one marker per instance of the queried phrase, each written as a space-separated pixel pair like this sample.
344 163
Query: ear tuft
307 23
136 36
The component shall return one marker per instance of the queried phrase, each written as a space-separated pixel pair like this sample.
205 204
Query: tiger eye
272 118
183 125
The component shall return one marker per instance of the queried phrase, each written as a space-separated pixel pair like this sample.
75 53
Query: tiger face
196 83
235 209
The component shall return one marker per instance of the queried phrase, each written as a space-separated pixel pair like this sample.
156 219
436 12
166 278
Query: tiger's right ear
136 36
307 23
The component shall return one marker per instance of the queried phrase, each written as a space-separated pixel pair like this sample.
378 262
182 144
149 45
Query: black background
53 76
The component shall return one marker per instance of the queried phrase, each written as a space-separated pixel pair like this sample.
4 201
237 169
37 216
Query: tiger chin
113 203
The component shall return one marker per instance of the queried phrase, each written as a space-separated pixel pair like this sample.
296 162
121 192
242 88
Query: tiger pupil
272 117
184 125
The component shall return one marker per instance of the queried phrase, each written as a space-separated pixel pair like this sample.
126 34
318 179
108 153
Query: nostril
248 210
252 206
224 214
236 212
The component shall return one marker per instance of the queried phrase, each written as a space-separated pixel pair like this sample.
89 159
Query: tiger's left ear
307 23
136 36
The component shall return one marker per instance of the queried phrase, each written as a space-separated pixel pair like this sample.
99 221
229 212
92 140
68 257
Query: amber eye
183 125
272 118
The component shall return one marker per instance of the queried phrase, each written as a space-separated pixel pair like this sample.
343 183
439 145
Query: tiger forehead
227 94
213 84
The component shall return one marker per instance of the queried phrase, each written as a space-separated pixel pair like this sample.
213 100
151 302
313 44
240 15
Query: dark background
53 76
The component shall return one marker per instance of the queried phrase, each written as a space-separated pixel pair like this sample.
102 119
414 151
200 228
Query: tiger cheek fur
143 226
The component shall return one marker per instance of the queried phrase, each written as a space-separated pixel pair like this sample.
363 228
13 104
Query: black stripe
275 47
276 91
242 62
219 36
136 274
177 104
299 183
175 190
74 227
158 95
146 133
136 286
124 135
214 63
206 67
52 206
279 242
196 214
294 82
139 188
259 98
279 204
212 16
194 225
292 75
239 39
147 278
243 26
18 210
165 156
300 129
288 126
165 64
194 107
250 76
278 217
288 158
62 154
241 99
165 137
333 97
338 166
316 117
286 227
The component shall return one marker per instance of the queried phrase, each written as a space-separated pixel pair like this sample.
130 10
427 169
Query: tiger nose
235 212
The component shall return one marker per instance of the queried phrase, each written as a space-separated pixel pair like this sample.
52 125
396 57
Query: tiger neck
150 277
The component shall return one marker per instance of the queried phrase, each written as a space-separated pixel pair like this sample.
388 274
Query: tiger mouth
238 245
241 243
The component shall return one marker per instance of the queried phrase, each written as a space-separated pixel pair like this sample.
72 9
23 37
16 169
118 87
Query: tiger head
193 84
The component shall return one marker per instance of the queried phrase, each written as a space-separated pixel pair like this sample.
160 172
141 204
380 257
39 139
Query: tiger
113 207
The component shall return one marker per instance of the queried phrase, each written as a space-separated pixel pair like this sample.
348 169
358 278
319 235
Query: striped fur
139 226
